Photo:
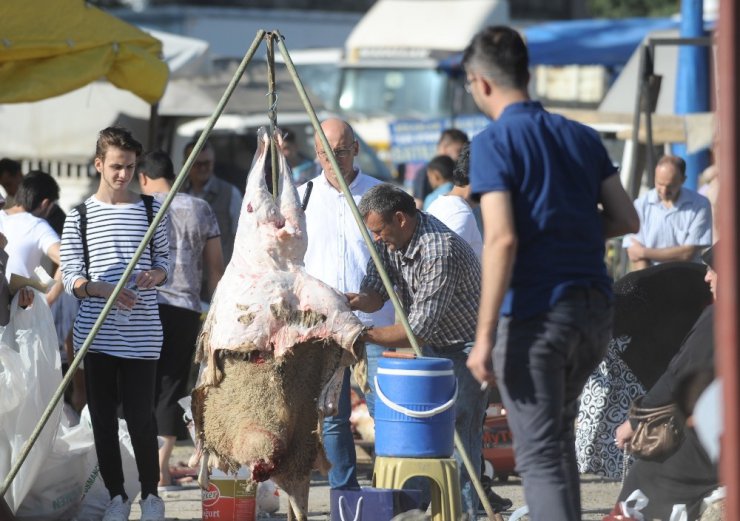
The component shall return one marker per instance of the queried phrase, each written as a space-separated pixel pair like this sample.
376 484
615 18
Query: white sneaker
152 508
118 509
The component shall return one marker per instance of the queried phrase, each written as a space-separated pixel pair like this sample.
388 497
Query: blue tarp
582 42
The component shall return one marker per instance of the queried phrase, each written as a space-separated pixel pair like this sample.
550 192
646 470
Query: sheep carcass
273 348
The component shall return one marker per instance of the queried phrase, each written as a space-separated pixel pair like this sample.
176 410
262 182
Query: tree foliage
632 8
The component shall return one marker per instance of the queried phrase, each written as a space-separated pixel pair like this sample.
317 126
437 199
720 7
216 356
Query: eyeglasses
339 153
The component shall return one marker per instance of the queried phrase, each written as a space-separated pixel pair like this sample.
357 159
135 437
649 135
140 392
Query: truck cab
391 74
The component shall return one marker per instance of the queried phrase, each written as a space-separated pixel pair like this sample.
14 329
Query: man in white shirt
675 222
337 255
453 208
29 236
224 198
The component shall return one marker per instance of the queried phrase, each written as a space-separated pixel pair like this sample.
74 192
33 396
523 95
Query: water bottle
123 315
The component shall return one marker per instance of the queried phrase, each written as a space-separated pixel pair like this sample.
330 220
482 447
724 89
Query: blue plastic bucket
415 408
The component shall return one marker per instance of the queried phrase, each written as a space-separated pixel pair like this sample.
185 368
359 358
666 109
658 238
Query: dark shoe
498 503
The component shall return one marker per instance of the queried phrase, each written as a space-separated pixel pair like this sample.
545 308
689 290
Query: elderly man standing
437 276
675 222
541 179
338 256
224 198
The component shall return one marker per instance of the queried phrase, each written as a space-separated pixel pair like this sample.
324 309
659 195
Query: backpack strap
82 211
149 205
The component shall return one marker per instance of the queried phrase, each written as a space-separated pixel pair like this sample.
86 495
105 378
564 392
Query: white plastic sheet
57 491
30 372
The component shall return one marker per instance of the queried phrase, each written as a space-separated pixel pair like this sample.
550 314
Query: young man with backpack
98 242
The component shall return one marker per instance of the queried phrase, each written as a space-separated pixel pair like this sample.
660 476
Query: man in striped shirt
437 276
121 365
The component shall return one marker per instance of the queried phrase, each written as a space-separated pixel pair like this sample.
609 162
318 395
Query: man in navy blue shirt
549 198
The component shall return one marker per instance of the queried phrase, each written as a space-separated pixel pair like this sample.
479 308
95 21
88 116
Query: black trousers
180 328
110 382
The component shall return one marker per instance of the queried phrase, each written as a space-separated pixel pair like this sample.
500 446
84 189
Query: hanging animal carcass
273 348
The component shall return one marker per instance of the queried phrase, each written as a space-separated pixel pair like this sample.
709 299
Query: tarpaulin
50 47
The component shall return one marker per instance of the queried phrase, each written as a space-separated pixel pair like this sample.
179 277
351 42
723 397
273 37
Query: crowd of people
497 258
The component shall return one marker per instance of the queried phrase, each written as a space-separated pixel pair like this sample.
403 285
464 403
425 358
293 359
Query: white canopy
448 25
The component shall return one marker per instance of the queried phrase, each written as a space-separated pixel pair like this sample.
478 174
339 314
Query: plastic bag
57 491
629 509
30 373
95 496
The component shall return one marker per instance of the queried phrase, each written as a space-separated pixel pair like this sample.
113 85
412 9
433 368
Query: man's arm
389 336
499 252
370 301
213 261
235 208
638 252
56 289
4 290
619 216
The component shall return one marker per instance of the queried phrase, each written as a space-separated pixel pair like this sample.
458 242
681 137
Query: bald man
338 256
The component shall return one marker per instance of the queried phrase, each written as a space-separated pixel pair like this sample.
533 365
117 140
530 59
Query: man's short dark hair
461 173
9 166
34 188
156 165
455 135
444 165
191 145
385 200
676 162
500 54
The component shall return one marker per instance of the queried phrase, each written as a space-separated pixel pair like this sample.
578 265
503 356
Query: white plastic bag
30 373
57 491
632 506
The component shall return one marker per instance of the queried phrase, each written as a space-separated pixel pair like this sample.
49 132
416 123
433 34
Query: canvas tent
581 42
64 127
49 47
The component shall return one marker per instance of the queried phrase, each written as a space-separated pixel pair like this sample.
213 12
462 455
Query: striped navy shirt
114 232
437 277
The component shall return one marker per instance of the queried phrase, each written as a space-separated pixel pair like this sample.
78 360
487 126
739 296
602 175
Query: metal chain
625 463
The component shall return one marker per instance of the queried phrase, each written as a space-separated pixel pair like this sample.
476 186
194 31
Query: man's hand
126 298
367 302
624 434
480 362
354 300
636 251
150 278
25 297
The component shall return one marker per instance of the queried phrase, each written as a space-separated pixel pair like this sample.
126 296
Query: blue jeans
470 410
541 365
339 442
374 353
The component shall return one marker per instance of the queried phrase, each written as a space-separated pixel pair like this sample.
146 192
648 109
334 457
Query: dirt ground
598 495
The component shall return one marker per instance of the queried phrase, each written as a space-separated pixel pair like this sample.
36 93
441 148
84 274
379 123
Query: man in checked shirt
437 277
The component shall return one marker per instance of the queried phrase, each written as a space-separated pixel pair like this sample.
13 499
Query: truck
392 88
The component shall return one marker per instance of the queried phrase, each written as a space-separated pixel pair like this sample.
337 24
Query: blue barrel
415 408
